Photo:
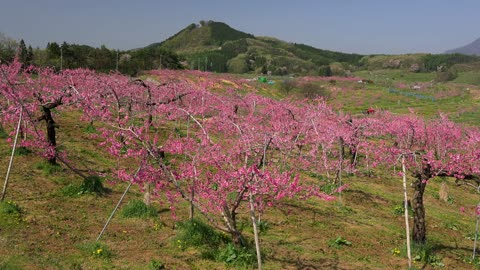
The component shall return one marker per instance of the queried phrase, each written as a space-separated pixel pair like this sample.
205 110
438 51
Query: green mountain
201 37
215 46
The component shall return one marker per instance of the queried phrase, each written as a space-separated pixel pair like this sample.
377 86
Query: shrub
23 151
238 64
399 209
421 253
156 265
97 250
329 188
263 226
214 245
90 129
3 134
325 71
237 256
312 90
195 233
90 185
424 253
138 209
287 85
10 208
445 76
71 190
339 242
48 168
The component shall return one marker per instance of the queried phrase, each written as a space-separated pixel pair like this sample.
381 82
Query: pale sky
362 26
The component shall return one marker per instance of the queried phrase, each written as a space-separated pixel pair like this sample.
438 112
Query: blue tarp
411 94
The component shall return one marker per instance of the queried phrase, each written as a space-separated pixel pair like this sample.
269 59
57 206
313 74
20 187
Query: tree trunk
353 157
52 141
146 194
192 207
230 221
419 225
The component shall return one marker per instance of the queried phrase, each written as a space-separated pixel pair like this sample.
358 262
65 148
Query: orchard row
218 145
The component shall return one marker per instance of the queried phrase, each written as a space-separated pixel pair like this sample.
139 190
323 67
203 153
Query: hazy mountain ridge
469 49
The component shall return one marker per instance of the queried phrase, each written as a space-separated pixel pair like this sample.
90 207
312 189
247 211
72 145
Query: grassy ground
49 227
58 231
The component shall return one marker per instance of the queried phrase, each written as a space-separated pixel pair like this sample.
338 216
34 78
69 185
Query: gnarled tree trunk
47 116
419 224
231 222
51 136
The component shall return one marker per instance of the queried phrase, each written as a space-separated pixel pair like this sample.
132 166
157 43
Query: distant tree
66 55
22 50
53 50
238 65
104 59
264 70
288 85
8 47
325 71
29 57
432 62
40 57
312 91
445 76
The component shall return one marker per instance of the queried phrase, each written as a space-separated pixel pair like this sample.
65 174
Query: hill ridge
215 46
472 48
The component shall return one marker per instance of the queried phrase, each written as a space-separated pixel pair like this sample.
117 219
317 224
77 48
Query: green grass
13 263
138 209
47 168
97 250
469 77
3 133
23 151
212 244
90 129
10 214
423 254
156 265
339 242
238 257
389 76
9 208
90 185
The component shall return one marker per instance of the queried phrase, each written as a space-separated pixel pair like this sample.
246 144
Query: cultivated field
211 140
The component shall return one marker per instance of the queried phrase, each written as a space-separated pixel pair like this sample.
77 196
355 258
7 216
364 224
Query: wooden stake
255 231
476 233
405 205
114 210
118 204
11 157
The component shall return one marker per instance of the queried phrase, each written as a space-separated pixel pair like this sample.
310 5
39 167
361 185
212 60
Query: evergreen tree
53 50
29 58
325 71
8 47
22 51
